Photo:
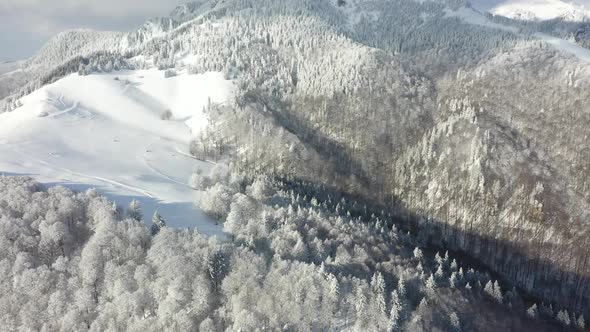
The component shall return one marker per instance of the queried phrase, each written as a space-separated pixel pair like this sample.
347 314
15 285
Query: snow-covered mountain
462 126
537 10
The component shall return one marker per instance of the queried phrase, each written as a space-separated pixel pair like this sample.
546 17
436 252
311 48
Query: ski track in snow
192 157
147 164
164 176
82 175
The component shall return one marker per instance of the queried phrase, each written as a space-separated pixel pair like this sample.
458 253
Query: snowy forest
385 166
292 262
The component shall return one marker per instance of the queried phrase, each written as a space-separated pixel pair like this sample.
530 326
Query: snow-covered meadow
105 131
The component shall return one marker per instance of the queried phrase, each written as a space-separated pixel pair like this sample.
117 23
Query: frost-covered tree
112 273
440 272
494 290
134 210
260 188
454 322
563 317
430 283
216 201
418 253
217 267
580 322
454 265
497 293
453 280
396 312
199 181
158 223
532 311
378 304
401 287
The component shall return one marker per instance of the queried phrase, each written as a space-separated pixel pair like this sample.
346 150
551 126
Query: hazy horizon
26 25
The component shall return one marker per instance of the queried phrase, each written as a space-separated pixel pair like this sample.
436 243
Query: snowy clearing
98 131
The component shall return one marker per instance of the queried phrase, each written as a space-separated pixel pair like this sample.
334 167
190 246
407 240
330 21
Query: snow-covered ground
575 11
8 66
96 131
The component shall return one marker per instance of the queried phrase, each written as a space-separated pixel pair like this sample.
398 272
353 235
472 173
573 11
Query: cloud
30 23
97 8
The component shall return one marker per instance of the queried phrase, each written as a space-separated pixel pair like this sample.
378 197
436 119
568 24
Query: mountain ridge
398 102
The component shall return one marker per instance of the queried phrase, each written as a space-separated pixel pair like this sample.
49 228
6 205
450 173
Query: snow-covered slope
471 16
98 131
8 66
536 10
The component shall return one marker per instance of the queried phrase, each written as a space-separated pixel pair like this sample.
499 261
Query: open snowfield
95 131
577 10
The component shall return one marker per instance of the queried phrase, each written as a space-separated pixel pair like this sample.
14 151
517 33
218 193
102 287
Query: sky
25 25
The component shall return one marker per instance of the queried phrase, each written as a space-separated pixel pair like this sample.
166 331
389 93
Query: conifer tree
134 210
157 223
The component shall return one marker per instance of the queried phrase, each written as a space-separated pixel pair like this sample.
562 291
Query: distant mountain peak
536 10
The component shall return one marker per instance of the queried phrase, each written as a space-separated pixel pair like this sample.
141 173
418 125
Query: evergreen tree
378 299
430 283
418 253
564 317
453 280
395 313
533 312
581 322
401 287
217 268
439 260
440 272
454 265
157 223
455 322
493 290
498 292
134 210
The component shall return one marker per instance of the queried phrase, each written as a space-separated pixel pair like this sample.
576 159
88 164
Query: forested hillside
466 133
74 261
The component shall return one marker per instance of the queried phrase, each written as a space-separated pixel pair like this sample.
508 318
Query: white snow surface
97 132
536 10
7 66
